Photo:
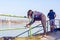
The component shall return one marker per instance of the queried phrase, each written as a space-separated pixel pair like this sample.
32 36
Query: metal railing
28 30
47 22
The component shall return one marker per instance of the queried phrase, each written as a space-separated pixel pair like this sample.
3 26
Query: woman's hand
27 25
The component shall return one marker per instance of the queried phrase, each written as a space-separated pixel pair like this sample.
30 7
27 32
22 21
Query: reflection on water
11 22
11 32
11 26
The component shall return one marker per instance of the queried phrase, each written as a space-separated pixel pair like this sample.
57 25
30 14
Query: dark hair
28 13
51 10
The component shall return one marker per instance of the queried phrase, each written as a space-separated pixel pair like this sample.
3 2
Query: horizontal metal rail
9 15
7 29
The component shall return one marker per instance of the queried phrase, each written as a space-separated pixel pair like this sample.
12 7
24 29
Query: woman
37 16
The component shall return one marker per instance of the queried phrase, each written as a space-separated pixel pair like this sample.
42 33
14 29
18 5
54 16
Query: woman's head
29 13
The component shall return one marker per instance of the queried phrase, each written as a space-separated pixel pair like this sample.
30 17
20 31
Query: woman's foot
44 36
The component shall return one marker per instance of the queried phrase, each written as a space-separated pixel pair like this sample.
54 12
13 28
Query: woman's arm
30 23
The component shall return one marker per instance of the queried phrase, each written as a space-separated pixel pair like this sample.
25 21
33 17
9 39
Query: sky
20 7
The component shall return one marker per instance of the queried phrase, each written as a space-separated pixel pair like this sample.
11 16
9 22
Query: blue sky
20 7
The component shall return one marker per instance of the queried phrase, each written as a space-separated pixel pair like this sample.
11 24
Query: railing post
28 33
47 26
59 23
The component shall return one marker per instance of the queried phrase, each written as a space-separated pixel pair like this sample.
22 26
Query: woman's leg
43 21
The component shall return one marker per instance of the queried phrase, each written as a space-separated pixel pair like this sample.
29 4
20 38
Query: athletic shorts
52 22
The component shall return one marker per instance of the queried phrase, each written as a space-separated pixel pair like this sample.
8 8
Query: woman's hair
28 13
